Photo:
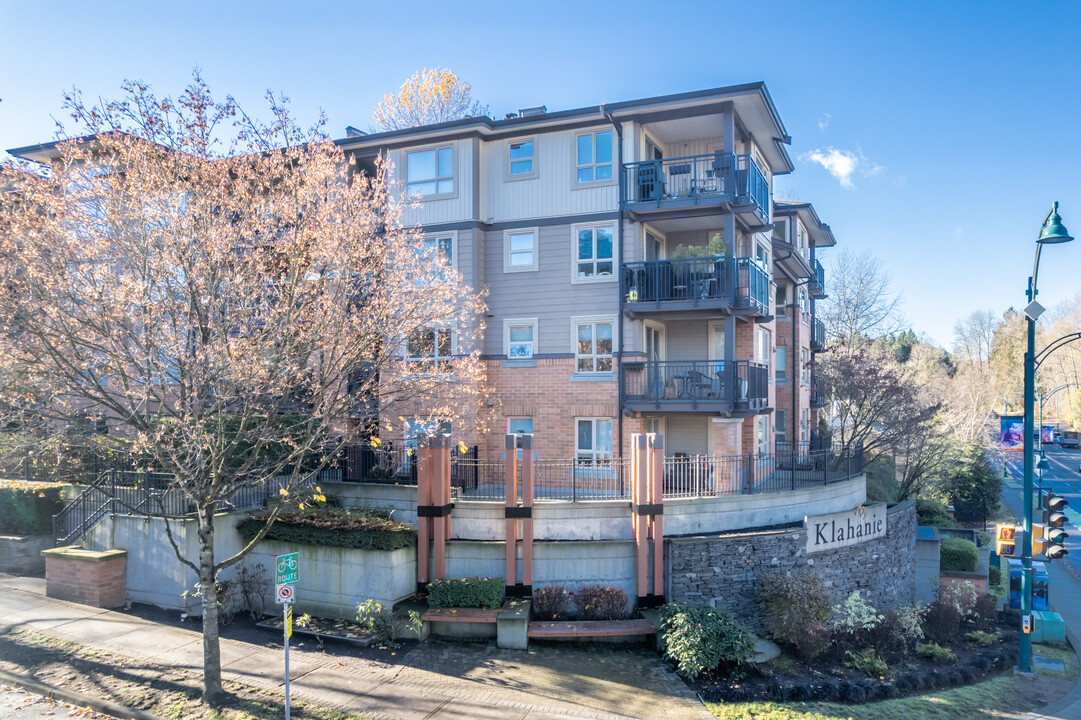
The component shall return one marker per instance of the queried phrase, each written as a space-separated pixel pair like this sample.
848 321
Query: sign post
286 572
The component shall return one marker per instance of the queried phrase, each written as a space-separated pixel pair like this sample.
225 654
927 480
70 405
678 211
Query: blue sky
949 127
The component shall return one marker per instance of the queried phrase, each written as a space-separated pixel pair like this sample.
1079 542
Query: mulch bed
792 680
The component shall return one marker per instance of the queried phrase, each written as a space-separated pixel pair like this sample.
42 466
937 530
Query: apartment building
639 276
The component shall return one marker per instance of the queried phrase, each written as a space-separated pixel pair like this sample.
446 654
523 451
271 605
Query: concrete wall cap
78 552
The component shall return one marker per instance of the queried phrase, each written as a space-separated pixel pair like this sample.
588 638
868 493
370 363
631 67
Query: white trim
507 323
575 229
535 266
597 454
453 235
710 349
648 230
647 324
777 365
585 320
513 177
454 176
576 167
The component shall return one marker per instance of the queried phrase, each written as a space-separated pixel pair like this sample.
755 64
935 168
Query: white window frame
520 232
508 173
805 366
780 365
784 234
453 177
417 361
802 240
804 306
804 425
763 434
593 456
780 426
519 322
518 433
453 235
594 320
596 278
762 343
593 165
780 302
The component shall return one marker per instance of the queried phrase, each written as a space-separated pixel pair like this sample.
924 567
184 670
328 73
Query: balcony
733 182
730 388
817 286
709 284
818 340
818 393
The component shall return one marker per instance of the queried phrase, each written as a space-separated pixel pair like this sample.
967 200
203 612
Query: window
415 427
593 347
593 445
595 156
780 427
520 250
804 310
593 261
430 172
804 422
761 256
780 363
761 346
519 338
780 230
801 239
781 303
520 160
763 434
805 364
444 244
655 425
519 426
433 346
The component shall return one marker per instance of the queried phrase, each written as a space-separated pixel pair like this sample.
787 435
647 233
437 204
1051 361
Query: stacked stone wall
724 571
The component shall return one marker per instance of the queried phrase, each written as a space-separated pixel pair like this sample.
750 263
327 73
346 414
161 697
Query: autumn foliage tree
222 292
430 96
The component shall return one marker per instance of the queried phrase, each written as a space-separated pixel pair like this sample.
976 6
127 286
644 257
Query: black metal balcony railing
818 340
818 280
818 392
717 177
740 281
742 384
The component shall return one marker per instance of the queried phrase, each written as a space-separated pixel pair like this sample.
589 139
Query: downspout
619 275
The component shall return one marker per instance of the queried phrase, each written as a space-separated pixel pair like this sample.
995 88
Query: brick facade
98 579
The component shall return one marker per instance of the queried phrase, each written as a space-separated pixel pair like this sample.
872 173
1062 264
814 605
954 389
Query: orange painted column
656 449
424 500
527 518
440 449
639 475
510 494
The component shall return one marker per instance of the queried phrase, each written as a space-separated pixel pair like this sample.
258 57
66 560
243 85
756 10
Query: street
19 704
1064 478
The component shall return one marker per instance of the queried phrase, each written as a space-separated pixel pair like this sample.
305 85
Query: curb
75 698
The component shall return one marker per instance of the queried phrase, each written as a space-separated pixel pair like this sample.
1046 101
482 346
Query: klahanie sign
852 527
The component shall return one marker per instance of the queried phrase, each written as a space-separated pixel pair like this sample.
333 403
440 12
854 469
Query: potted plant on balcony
682 271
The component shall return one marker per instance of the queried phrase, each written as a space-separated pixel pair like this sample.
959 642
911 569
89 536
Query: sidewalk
438 680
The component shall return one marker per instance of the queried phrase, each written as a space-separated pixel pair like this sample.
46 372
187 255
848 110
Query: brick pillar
98 579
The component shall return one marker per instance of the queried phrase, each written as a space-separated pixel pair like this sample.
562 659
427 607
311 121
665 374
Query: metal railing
742 383
818 392
740 281
691 179
818 281
396 464
571 480
818 340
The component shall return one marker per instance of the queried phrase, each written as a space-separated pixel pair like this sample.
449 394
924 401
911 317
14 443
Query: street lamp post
1052 232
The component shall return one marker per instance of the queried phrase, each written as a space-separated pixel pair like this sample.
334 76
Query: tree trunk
212 689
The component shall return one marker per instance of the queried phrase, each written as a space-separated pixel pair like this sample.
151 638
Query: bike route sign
287 569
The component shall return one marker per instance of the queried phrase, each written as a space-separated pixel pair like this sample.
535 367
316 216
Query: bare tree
861 306
429 96
224 311
973 337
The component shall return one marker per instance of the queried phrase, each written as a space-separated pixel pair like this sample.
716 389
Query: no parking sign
284 595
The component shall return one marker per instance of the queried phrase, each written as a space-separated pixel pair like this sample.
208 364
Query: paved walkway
438 680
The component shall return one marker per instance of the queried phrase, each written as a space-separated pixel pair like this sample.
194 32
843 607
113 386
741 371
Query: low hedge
27 508
333 527
476 592
958 555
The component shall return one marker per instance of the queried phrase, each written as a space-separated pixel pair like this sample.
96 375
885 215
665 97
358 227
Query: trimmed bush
793 602
698 638
475 592
334 527
27 508
602 602
937 654
958 555
553 602
934 513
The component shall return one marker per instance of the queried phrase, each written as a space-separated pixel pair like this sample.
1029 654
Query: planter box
21 554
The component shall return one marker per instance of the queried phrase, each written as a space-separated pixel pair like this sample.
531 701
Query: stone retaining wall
724 570
21 554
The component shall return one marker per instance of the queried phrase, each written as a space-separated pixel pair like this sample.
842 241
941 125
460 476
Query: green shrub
866 661
793 602
380 622
854 615
27 508
934 513
698 638
981 638
994 576
334 527
476 592
958 555
936 653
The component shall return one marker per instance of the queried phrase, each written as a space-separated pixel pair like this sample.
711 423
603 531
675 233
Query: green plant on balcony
715 248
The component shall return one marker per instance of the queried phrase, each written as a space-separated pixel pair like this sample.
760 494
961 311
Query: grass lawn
1000 697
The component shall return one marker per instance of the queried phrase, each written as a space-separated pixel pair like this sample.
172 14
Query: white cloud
824 122
839 163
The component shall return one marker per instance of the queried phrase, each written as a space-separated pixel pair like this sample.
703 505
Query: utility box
1048 628
1039 585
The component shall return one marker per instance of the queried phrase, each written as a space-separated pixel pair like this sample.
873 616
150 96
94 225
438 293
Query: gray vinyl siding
547 294
687 340
687 434
452 209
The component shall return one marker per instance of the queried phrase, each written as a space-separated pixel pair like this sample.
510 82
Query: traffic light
1037 538
1054 517
1006 540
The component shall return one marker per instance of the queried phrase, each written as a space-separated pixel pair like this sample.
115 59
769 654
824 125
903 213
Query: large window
519 426
434 346
594 258
780 363
520 250
521 160
593 347
595 156
593 445
430 172
519 338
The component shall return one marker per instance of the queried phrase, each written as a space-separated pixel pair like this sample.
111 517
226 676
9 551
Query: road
1064 478
18 704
